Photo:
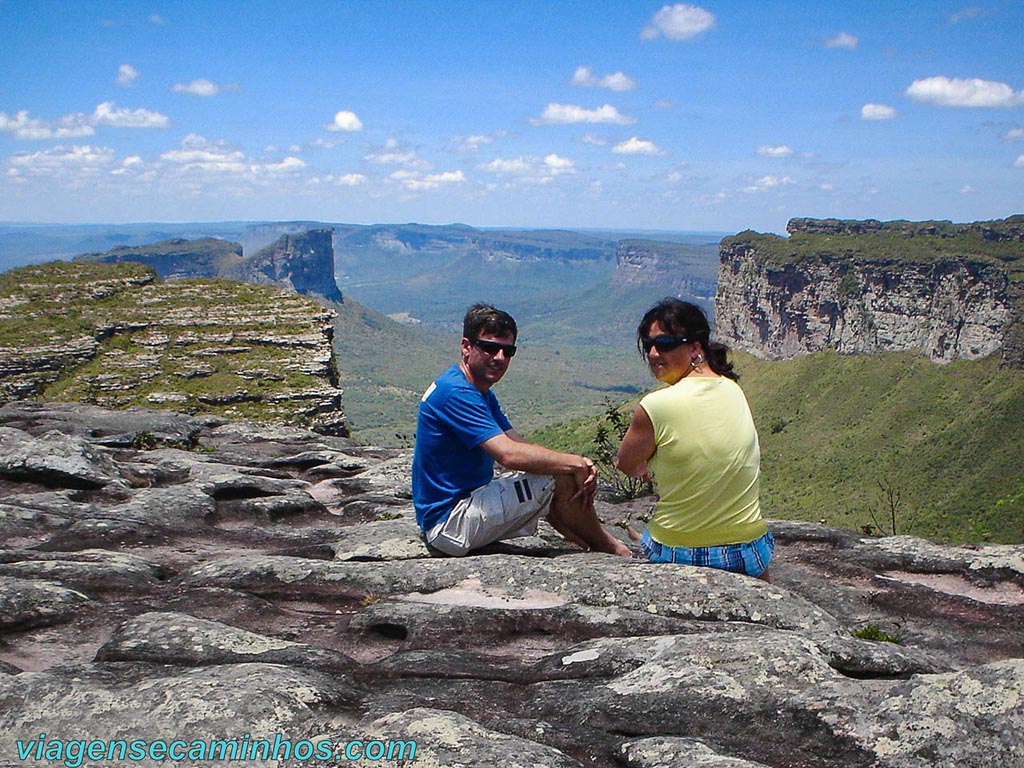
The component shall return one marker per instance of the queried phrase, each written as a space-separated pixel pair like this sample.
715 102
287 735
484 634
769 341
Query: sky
609 114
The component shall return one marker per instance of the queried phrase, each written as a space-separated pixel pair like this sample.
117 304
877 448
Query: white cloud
393 153
155 18
505 166
127 75
69 163
531 170
107 114
557 165
198 154
569 114
415 183
287 165
967 13
200 87
1014 134
350 180
769 182
842 40
964 92
678 22
593 139
616 82
344 120
769 150
877 112
77 125
473 143
967 189
636 146
22 126
1020 162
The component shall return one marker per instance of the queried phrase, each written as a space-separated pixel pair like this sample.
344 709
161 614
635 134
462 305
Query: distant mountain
176 258
301 262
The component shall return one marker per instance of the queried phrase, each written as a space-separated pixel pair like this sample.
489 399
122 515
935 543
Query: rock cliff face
947 291
116 335
302 262
669 267
165 576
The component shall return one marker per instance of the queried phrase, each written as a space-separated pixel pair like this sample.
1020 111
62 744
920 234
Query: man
462 431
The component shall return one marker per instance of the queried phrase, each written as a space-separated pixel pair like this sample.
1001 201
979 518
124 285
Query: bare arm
513 452
637 445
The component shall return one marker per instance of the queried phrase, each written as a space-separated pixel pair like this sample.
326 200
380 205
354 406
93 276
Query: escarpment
673 268
115 335
302 262
947 291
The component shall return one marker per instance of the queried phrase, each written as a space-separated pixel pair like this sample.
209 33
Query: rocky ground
170 577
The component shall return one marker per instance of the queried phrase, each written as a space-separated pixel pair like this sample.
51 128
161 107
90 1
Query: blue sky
715 116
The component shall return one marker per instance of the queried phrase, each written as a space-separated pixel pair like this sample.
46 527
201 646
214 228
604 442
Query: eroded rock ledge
271 581
946 291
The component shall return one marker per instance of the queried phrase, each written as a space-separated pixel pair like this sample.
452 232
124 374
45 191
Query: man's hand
586 481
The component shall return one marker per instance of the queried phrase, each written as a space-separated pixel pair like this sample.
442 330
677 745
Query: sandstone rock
30 602
113 335
271 581
777 301
55 459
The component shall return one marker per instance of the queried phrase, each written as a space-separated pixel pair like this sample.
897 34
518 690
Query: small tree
607 438
889 499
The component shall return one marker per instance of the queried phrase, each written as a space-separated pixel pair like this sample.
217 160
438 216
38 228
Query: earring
697 361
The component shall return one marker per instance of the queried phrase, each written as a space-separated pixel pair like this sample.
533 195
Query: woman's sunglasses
662 343
493 347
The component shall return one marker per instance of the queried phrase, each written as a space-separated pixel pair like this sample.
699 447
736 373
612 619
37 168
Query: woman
697 440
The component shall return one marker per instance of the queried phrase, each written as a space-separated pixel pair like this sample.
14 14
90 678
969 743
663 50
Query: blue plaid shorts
751 558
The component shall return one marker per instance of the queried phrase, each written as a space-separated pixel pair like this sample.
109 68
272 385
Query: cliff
947 291
116 335
302 262
164 576
674 269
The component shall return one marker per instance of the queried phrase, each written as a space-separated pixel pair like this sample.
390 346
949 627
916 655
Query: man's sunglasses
493 347
662 343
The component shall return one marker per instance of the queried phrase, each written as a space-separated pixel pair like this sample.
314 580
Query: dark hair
482 318
681 318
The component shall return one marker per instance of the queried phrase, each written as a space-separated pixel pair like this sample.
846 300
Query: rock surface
256 585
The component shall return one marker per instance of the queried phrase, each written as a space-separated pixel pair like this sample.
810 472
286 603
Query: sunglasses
662 343
492 348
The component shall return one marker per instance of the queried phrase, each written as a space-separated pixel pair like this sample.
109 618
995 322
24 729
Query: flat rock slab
163 575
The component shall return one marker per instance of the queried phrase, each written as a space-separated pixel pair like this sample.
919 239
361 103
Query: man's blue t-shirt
448 463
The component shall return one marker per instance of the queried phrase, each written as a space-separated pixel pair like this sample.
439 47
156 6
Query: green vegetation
114 335
894 241
875 634
611 428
